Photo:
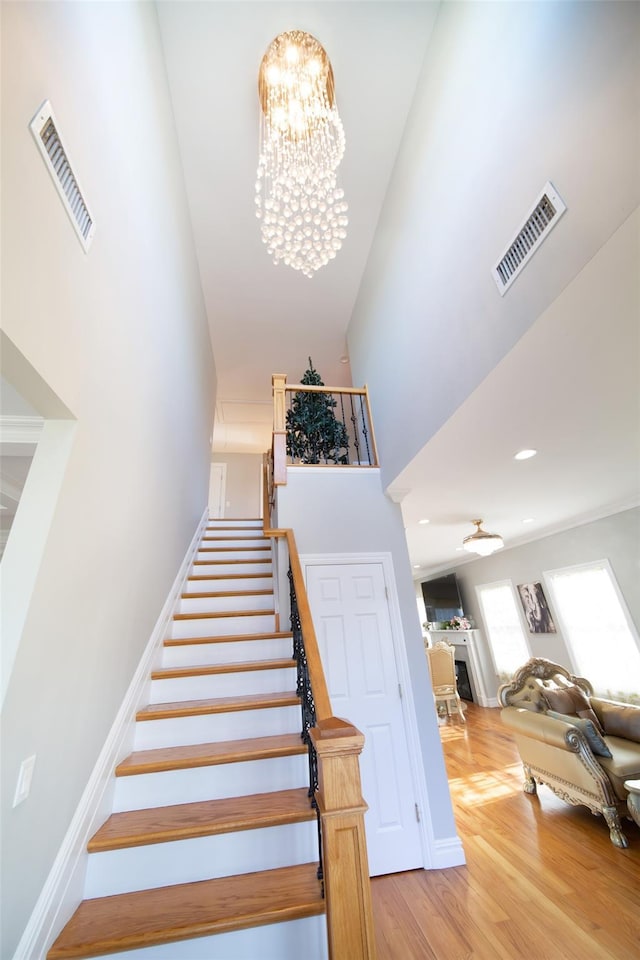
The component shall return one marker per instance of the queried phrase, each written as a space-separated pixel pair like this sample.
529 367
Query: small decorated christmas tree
314 435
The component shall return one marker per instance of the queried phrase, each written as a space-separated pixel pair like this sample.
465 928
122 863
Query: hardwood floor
542 878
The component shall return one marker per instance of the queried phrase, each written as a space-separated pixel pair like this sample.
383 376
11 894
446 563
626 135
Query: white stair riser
298 938
201 858
240 725
222 685
245 555
222 626
218 539
215 523
238 651
210 783
215 584
223 568
223 604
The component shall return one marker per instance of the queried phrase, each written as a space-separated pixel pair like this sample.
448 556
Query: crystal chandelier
482 542
301 207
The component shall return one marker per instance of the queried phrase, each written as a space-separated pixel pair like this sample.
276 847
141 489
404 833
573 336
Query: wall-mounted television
442 598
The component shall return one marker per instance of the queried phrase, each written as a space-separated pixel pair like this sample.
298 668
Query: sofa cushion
623 765
595 741
620 720
572 701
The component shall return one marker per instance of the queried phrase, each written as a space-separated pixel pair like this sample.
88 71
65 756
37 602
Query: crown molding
21 429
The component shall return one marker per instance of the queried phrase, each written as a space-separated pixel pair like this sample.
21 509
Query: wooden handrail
314 662
312 388
341 808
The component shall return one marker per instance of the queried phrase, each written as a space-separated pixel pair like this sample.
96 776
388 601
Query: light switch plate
25 776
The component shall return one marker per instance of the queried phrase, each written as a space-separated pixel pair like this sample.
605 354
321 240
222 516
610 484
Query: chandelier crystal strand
298 200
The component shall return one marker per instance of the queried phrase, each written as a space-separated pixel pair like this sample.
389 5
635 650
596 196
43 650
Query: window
508 645
597 629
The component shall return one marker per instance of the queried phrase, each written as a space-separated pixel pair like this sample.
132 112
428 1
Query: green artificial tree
314 435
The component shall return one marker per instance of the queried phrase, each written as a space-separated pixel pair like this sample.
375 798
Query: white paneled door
217 490
351 615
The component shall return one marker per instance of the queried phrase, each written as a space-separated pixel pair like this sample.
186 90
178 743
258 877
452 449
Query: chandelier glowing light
298 200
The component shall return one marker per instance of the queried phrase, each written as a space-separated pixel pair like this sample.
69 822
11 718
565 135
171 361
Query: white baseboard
63 888
447 853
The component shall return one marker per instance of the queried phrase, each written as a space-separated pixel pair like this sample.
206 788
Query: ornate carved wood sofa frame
557 751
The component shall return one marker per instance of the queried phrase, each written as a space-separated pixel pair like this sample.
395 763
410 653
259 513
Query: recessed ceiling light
529 520
416 566
344 359
525 454
423 521
459 549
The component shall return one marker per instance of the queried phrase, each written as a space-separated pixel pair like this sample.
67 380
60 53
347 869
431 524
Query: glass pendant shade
481 542
298 200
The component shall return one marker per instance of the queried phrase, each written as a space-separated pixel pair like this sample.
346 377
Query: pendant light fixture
482 542
298 200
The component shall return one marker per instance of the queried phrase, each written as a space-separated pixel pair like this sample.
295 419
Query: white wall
120 336
511 95
244 471
614 538
351 515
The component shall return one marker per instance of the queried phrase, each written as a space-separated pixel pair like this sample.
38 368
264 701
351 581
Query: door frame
428 845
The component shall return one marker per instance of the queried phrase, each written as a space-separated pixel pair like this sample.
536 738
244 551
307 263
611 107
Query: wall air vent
545 214
46 134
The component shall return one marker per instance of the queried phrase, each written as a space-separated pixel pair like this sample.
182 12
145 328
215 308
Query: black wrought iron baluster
344 421
364 430
304 691
354 421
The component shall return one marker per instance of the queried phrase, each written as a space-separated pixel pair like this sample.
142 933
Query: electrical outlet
25 776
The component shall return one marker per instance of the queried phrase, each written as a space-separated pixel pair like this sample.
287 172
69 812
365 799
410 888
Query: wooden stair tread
209 754
251 536
195 708
230 549
211 562
216 615
228 638
169 914
183 821
226 593
214 669
231 576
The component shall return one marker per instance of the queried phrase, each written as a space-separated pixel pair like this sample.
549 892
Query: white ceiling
568 389
573 404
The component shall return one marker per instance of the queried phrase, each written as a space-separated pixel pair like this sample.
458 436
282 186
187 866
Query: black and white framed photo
536 609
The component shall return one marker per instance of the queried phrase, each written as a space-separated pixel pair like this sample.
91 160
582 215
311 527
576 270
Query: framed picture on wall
536 609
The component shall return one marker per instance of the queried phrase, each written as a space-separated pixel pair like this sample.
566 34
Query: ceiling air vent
545 214
46 133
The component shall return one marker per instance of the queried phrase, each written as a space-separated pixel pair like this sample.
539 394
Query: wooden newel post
350 929
278 381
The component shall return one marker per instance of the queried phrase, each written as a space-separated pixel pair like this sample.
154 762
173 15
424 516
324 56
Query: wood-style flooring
542 879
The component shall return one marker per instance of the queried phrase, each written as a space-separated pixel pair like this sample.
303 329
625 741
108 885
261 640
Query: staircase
212 834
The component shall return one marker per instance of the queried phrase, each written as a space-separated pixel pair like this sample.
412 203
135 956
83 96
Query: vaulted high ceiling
266 319
567 387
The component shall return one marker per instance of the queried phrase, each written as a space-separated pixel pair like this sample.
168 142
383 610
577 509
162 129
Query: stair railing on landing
334 772
352 442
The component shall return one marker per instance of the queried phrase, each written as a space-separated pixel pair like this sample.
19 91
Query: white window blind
597 629
506 638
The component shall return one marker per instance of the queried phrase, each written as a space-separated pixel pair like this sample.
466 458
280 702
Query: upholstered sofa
583 747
